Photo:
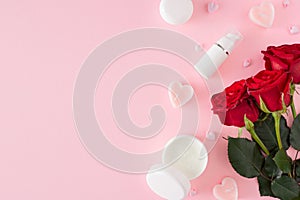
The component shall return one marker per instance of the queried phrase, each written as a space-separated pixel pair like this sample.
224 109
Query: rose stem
293 108
259 142
277 116
250 127
240 132
292 91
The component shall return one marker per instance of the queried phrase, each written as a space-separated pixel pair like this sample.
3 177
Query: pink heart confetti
212 6
228 190
211 136
294 29
285 3
193 192
180 94
263 15
247 62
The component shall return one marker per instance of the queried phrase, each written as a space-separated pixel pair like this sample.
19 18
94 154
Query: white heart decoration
228 190
193 192
285 3
211 136
212 6
180 94
247 62
263 15
294 29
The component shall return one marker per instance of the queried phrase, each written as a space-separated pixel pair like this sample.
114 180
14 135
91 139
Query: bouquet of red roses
259 104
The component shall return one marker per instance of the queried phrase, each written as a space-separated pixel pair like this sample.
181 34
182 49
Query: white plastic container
176 12
186 159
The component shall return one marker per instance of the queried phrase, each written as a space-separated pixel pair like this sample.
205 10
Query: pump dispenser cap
229 41
217 54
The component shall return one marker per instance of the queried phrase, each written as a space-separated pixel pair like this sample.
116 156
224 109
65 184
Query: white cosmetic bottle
217 54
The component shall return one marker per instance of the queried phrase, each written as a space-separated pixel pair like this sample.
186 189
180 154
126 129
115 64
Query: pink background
42 46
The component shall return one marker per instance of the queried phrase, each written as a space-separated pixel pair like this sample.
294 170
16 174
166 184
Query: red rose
285 57
232 104
270 85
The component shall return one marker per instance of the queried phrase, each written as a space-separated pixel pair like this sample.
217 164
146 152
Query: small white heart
263 15
198 48
247 62
228 190
193 192
211 136
212 6
285 3
294 29
180 94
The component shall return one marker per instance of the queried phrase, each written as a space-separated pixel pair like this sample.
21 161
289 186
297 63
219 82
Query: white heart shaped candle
263 15
180 94
227 190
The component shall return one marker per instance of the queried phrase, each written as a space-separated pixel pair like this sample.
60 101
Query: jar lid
169 183
176 12
186 154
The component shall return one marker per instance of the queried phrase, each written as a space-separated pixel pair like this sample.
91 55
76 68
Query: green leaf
297 168
283 161
264 187
245 157
297 198
285 188
266 132
295 134
270 168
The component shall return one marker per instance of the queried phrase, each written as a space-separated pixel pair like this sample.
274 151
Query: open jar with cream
185 158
